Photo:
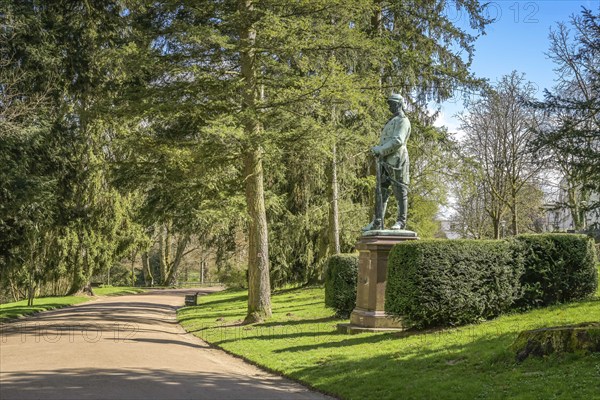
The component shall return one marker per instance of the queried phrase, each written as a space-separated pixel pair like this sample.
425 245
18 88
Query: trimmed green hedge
341 274
442 282
558 268
451 282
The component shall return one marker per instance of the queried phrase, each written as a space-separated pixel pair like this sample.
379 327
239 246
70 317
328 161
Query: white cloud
451 123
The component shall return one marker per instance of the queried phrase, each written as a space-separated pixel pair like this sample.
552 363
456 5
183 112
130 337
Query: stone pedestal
369 315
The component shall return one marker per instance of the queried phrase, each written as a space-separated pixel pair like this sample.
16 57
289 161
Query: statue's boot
373 226
398 226
377 221
401 194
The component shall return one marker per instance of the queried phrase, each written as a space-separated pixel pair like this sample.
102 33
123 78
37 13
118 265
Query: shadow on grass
282 292
449 339
575 304
302 305
352 341
206 302
299 322
482 368
211 317
291 327
222 336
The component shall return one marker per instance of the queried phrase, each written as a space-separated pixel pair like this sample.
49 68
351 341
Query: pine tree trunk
148 278
171 278
259 285
496 225
515 212
376 30
14 290
79 268
574 206
515 218
164 245
31 289
377 19
30 293
133 254
30 296
334 219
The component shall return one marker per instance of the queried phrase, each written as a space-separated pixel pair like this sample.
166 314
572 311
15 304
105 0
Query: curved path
127 347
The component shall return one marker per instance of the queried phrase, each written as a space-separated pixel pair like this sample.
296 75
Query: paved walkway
127 347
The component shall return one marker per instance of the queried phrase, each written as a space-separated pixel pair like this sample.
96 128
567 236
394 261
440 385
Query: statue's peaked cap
397 98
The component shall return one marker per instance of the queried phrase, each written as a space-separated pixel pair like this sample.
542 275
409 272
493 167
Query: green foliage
571 141
461 281
141 111
232 276
440 282
61 219
559 268
320 70
431 160
341 274
27 208
118 275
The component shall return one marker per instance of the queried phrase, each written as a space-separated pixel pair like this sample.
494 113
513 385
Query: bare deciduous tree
499 131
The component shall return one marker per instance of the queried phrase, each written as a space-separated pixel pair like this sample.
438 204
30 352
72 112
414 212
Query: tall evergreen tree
235 112
260 82
572 138
68 52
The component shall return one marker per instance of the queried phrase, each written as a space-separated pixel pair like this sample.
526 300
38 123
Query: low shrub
451 282
558 268
441 282
341 274
232 276
119 274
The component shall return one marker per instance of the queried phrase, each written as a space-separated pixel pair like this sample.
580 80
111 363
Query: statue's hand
376 151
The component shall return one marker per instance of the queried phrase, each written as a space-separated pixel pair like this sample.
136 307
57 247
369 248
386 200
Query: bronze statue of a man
392 165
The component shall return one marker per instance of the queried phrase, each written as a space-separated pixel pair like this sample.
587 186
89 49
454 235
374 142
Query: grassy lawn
471 362
19 308
116 290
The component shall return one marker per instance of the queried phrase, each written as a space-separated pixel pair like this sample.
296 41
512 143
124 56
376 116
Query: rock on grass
582 338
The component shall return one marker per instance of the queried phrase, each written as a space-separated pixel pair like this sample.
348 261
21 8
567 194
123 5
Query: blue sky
517 40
